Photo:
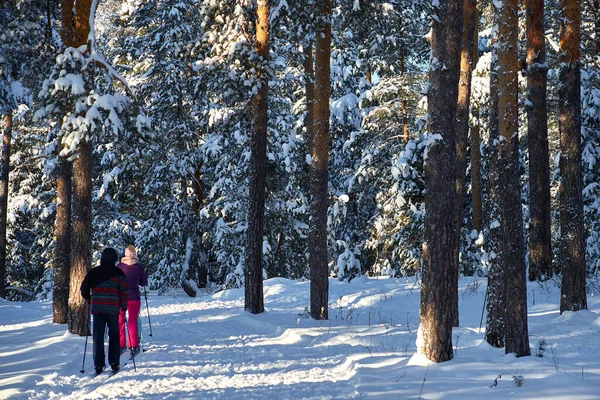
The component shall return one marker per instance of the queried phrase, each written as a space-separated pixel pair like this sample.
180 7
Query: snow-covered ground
209 348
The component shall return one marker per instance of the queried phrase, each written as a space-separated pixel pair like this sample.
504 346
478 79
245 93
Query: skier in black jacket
105 288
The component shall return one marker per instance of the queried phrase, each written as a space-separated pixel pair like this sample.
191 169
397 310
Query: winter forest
237 141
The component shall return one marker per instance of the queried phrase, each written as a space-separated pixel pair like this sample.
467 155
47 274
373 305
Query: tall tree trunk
62 222
540 249
82 200
476 188
67 28
513 252
197 202
254 301
435 327
82 236
462 133
317 241
4 170
495 303
62 251
309 85
572 243
475 144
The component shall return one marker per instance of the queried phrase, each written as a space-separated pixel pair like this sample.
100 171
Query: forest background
173 84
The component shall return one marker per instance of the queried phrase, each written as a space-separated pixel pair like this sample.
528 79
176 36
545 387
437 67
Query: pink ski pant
133 311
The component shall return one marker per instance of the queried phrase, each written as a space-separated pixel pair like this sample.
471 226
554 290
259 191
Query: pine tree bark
82 236
540 249
67 28
317 241
476 188
309 87
82 200
254 301
4 174
495 303
513 251
572 244
62 222
475 144
462 133
62 251
435 329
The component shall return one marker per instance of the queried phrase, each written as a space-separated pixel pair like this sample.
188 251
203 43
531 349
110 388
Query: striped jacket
105 288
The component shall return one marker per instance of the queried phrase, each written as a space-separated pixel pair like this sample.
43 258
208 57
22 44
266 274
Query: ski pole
483 309
127 332
86 340
148 311
141 335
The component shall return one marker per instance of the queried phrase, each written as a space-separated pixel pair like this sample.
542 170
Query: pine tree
26 51
370 124
80 94
168 158
62 224
462 131
513 257
440 178
254 301
4 175
318 262
572 244
540 250
476 184
82 198
495 300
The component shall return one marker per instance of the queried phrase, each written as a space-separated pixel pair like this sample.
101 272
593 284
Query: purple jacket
136 276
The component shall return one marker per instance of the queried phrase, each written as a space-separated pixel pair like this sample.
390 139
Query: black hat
109 257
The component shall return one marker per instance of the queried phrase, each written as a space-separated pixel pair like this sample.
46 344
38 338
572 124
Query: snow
208 347
72 81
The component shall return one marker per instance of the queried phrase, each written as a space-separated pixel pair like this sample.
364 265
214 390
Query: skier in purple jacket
136 277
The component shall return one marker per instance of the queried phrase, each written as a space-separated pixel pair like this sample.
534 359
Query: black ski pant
100 323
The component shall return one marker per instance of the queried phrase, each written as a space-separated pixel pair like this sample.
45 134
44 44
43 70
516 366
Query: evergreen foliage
169 109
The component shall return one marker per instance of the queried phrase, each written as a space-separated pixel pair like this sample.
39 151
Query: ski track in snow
209 348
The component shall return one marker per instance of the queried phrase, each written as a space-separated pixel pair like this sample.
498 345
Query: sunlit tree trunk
513 251
82 200
572 243
4 172
62 222
435 329
462 133
254 301
540 249
495 304
317 241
